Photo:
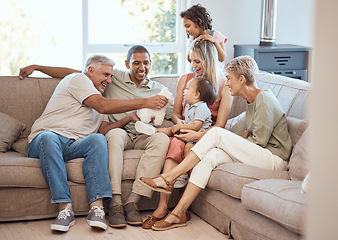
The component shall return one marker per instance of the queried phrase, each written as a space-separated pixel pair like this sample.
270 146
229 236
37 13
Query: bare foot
159 213
160 182
172 218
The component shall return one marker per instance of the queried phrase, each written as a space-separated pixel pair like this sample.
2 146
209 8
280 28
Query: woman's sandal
149 183
150 221
164 225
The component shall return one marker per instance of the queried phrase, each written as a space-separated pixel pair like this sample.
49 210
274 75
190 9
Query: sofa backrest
25 99
292 93
170 81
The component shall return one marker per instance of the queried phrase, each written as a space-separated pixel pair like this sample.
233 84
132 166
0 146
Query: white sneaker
145 128
181 181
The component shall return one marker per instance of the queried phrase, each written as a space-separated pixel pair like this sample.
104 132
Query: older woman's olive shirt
267 124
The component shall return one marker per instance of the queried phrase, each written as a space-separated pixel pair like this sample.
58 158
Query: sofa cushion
293 95
30 98
16 170
279 200
14 164
230 178
299 161
296 128
10 130
231 122
20 145
170 81
131 159
238 106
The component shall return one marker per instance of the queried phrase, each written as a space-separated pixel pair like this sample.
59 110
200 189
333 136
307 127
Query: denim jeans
55 150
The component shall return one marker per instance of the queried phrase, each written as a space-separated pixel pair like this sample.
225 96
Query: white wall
240 21
311 23
323 202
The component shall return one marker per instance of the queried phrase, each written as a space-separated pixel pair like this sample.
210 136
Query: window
111 27
65 33
41 32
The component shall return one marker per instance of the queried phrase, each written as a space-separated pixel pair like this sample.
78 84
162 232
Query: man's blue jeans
55 150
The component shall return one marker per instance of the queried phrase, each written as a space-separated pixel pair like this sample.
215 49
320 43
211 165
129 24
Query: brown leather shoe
150 221
164 225
149 183
132 214
116 217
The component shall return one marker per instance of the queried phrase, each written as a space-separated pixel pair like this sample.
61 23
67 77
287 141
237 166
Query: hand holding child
176 128
206 37
166 131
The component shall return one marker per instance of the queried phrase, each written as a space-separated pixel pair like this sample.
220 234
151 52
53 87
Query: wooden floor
196 229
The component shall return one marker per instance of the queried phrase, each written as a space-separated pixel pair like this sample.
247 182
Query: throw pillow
231 122
299 161
10 130
296 128
20 145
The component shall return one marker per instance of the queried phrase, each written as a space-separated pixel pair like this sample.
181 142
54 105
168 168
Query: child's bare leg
187 148
183 179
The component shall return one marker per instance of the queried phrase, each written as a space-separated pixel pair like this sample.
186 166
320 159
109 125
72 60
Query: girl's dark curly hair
196 12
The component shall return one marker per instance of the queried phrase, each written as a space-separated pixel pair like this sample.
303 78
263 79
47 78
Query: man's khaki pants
150 164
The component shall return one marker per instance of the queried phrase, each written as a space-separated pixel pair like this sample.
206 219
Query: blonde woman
203 55
260 139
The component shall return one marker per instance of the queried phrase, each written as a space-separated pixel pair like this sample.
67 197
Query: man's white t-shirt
65 113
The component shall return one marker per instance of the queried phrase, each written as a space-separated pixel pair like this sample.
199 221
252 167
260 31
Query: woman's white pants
220 146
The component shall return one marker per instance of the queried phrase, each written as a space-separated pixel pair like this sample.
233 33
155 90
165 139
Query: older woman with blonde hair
260 139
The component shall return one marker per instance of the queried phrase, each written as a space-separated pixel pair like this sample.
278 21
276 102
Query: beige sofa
241 201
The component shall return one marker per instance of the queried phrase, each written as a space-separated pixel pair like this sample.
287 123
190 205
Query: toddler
197 115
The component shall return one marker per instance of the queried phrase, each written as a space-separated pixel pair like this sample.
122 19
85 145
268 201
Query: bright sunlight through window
64 33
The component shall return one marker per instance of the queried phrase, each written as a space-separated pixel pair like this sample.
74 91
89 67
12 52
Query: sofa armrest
278 200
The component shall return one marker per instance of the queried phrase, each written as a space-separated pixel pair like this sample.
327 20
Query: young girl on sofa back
197 23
